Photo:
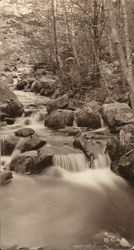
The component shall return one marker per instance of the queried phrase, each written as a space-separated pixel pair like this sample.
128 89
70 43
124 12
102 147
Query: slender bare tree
124 56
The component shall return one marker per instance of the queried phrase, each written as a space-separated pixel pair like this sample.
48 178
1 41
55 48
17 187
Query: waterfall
103 124
71 162
75 120
102 161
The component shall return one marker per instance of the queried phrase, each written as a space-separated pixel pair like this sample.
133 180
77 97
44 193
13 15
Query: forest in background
89 44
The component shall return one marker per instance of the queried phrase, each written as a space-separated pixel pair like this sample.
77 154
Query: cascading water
71 162
62 208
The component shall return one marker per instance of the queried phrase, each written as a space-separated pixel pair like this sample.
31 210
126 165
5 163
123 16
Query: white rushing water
71 162
61 208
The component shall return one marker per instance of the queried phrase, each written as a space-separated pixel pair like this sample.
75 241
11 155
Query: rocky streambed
72 154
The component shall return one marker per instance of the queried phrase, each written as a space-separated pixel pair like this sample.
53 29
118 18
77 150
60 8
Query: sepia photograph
66 124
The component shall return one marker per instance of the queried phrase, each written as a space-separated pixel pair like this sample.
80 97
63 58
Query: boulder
126 165
32 142
82 144
48 85
24 132
5 176
86 117
31 162
59 119
9 121
21 84
14 108
61 102
126 128
27 121
8 144
117 114
24 162
36 87
47 91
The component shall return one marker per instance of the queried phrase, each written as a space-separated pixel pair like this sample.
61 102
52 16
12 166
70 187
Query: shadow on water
48 211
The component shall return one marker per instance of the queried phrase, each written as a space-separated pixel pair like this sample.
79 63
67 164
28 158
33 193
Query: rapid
63 206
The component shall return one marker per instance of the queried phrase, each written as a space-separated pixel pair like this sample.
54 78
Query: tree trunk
130 75
71 36
126 62
60 72
96 39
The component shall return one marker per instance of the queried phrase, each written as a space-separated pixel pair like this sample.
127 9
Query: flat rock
71 131
24 132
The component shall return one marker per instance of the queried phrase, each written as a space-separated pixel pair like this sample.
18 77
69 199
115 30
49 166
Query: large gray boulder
9 103
8 144
47 87
59 119
32 142
24 162
86 117
14 108
32 161
117 114
61 102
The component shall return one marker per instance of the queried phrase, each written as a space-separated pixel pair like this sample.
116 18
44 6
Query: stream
62 208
